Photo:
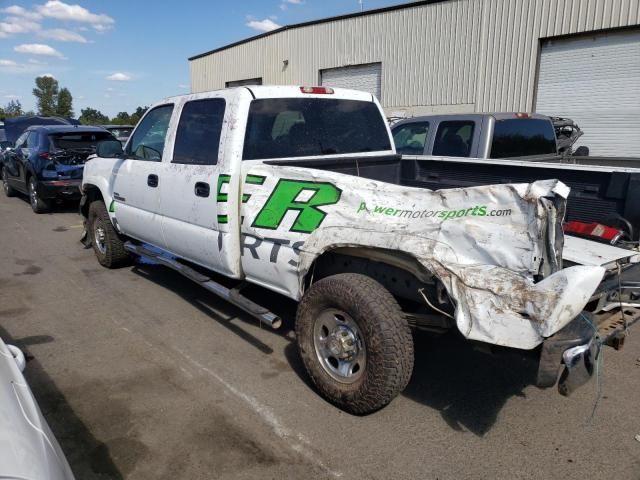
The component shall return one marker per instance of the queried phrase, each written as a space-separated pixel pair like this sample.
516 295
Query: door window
198 135
411 137
148 139
453 139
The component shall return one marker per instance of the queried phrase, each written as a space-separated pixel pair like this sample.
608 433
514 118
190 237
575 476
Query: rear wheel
9 191
106 242
38 205
354 342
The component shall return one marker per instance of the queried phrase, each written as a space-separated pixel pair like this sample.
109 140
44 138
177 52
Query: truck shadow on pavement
467 385
89 458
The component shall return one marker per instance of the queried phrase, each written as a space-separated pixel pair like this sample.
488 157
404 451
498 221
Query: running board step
232 296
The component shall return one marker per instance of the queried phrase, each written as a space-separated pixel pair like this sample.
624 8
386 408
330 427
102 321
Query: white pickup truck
297 189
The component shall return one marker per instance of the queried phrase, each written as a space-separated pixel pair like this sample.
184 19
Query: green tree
91 116
11 109
46 93
137 115
122 118
64 107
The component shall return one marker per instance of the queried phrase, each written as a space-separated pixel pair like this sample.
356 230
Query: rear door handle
202 189
152 180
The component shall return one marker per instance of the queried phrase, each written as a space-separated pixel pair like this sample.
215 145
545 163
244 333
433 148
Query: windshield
78 140
521 137
302 127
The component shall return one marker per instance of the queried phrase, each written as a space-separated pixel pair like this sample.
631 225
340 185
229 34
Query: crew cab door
189 197
137 180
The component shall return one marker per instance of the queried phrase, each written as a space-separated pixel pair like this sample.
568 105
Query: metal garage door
595 80
367 78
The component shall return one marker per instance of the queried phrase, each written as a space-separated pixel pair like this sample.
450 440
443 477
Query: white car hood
28 449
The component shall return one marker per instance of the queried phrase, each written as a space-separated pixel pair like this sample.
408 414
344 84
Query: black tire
9 191
38 205
108 247
382 329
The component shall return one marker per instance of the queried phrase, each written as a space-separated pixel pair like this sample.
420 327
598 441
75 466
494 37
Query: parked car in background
491 148
121 132
300 190
46 162
28 448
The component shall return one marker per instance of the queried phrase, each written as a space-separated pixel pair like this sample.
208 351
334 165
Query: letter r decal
287 195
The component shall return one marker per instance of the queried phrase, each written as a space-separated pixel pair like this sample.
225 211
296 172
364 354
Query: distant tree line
53 101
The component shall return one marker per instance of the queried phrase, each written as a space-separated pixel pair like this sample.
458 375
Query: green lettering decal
285 198
223 219
222 179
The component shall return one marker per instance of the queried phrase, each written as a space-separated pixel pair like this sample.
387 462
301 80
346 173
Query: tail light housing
594 231
317 90
44 155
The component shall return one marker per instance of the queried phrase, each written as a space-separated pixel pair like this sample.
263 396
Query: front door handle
152 180
202 189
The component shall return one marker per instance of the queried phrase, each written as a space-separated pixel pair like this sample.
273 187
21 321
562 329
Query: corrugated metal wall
474 55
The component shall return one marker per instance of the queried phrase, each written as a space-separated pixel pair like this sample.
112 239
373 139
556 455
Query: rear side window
302 127
32 141
411 137
77 140
521 137
147 142
198 135
453 139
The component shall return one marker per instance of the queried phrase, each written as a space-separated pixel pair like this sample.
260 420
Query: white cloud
74 13
12 97
285 3
16 25
7 63
265 25
38 49
184 87
63 35
21 12
34 61
50 75
119 77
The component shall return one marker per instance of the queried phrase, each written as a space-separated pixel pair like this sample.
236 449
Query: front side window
454 139
411 137
303 127
198 134
520 137
148 139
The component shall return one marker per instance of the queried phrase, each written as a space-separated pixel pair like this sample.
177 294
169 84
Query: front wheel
107 244
38 205
355 342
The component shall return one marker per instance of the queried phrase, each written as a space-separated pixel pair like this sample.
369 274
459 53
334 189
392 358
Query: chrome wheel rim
33 195
100 239
339 346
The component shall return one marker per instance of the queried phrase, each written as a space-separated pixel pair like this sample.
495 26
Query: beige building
575 58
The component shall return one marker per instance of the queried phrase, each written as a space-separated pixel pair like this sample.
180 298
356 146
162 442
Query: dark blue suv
46 162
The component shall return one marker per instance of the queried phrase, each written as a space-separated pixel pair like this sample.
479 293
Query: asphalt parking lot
143 375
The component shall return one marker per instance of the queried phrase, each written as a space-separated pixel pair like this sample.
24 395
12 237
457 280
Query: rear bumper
48 189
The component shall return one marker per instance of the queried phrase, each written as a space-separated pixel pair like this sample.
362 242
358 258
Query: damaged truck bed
303 195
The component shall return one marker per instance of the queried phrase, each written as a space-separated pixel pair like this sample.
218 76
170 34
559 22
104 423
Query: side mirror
109 149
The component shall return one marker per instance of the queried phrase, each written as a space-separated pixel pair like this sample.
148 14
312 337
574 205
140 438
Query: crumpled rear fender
493 304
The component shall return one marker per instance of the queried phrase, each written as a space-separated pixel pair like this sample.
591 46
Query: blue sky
117 55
